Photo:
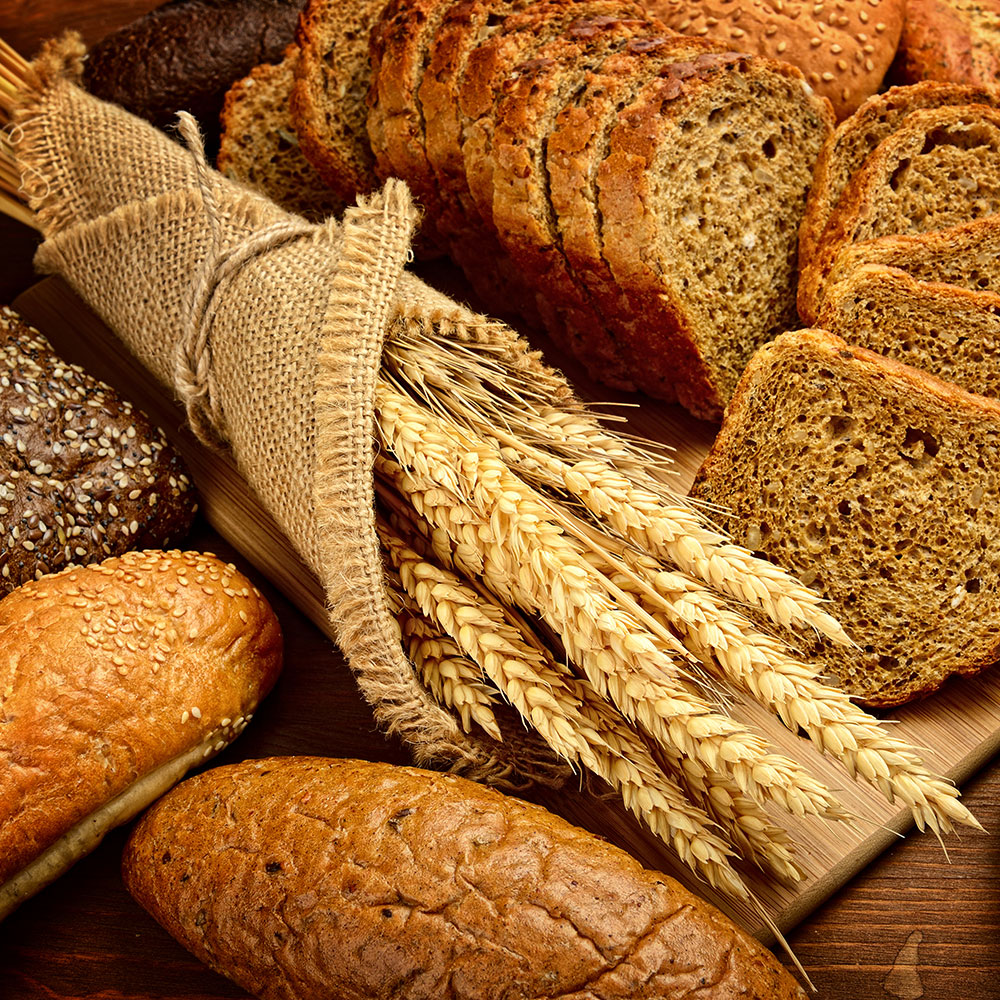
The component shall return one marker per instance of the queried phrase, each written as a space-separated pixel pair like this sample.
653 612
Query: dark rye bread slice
967 255
532 97
876 485
951 332
700 196
574 148
856 137
259 146
328 102
940 168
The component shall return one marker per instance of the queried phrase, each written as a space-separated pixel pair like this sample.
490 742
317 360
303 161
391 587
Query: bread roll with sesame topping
844 47
115 680
83 475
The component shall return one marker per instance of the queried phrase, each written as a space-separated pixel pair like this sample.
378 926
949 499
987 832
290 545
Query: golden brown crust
108 672
372 882
843 47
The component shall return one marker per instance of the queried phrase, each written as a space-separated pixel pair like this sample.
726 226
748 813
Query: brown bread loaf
83 474
372 881
843 47
116 679
874 483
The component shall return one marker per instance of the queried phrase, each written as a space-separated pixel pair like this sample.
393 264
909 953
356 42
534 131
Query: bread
115 679
940 168
184 56
83 475
967 255
847 149
875 484
951 40
949 331
259 146
371 881
844 49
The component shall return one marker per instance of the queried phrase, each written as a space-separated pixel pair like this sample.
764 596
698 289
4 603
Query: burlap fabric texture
270 330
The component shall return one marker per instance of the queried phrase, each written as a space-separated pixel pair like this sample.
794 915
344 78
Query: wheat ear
526 559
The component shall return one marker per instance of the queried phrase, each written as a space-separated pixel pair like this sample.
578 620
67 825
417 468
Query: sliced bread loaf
951 332
941 167
849 146
877 485
701 195
328 106
259 146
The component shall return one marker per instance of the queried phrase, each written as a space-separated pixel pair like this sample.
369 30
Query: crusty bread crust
109 672
370 880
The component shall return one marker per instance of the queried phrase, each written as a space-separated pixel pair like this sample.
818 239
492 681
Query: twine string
194 377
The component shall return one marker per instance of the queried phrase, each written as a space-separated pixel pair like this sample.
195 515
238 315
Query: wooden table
911 925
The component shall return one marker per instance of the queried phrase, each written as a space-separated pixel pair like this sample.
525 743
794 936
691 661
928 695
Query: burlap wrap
271 331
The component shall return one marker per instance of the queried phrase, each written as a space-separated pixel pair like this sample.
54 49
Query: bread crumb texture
83 474
877 485
311 878
109 671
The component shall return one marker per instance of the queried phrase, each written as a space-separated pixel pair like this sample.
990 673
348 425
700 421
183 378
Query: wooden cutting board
959 727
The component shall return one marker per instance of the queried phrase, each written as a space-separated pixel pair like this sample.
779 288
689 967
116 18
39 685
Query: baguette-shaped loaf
115 679
314 878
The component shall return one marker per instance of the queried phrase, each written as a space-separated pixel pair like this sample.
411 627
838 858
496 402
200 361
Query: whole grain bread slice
951 332
328 101
259 146
857 136
876 484
700 195
941 167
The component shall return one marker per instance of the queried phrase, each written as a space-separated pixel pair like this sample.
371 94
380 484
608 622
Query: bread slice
951 332
259 146
848 148
875 484
616 344
940 168
701 194
967 255
328 102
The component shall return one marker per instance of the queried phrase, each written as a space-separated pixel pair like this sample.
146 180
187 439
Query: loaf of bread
939 168
844 49
83 474
368 880
874 483
952 40
184 56
116 679
952 332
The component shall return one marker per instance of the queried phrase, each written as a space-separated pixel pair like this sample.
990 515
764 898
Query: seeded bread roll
83 475
369 881
116 679
876 485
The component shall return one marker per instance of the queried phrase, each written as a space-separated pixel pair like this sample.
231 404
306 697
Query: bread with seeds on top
83 474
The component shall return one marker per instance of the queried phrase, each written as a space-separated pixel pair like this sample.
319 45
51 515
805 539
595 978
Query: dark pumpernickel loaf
878 486
370 881
83 474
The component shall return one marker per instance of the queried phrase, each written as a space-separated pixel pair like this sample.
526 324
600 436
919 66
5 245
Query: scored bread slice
875 484
967 255
857 136
940 168
700 196
951 332
328 102
574 148
259 146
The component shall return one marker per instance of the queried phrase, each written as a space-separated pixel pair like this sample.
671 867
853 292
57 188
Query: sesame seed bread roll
310 878
115 680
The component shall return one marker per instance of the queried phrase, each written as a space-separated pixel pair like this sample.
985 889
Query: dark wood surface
914 924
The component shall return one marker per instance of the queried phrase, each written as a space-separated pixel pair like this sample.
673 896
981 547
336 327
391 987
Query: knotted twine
270 329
